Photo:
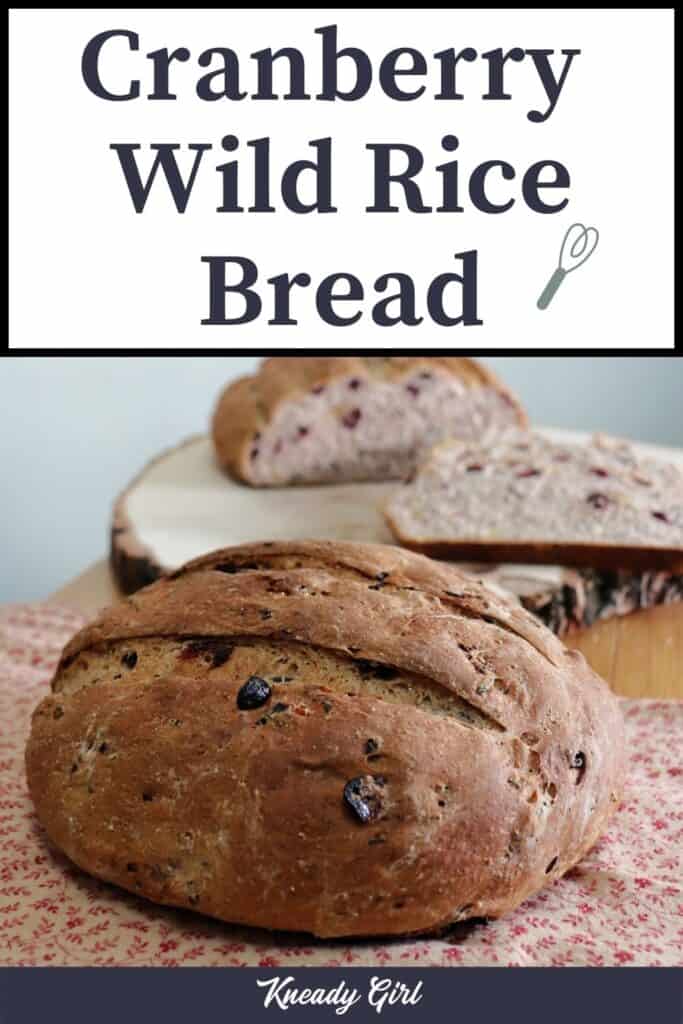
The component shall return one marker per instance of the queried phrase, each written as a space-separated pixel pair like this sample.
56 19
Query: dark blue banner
475 996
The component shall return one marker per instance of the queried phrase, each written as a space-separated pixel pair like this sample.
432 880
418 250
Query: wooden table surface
640 655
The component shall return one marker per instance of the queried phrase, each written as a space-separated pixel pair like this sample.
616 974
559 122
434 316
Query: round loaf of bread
336 738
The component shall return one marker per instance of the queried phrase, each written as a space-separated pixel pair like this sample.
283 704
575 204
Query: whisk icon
573 253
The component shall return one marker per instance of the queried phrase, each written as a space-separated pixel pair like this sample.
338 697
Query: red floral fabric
623 905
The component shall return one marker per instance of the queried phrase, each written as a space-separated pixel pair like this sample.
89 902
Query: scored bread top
230 591
494 754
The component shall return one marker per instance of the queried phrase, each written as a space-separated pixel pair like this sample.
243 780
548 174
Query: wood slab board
182 505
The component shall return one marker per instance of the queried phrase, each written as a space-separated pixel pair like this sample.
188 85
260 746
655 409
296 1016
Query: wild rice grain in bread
337 738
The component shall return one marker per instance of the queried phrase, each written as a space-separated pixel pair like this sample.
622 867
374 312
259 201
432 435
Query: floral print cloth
622 905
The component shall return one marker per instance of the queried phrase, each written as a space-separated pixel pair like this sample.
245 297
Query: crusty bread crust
248 404
592 556
492 754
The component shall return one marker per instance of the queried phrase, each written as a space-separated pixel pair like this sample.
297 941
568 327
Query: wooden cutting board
640 655
182 505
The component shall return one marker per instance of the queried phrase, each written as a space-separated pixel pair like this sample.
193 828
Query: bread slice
337 419
523 498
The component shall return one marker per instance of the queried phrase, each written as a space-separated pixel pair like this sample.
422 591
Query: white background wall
73 431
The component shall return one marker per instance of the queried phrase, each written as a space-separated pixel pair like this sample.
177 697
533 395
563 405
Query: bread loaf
305 420
523 498
337 738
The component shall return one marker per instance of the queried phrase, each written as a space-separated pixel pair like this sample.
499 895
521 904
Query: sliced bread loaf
336 419
524 498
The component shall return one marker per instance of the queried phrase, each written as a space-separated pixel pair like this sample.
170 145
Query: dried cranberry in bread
337 738
523 498
334 419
